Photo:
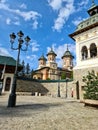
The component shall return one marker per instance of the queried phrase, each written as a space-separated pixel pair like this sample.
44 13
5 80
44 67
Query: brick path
47 113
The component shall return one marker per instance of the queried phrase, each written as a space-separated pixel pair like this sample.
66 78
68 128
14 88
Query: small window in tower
93 20
64 61
93 13
53 71
87 23
81 25
53 66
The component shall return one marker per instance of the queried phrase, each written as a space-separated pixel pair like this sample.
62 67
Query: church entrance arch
7 84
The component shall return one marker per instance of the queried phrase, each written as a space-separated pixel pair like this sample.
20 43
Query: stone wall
51 88
59 88
30 86
78 76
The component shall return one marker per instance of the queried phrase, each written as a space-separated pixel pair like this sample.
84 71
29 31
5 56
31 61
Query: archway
7 84
93 50
84 53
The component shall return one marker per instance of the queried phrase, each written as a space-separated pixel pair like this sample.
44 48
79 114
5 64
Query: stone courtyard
47 113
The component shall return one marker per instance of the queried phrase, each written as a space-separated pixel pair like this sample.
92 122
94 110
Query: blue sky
47 22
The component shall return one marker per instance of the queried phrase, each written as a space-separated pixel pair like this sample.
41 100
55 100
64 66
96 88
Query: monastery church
86 39
48 68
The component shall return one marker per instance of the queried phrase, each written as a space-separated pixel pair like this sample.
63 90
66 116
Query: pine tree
23 70
27 68
91 86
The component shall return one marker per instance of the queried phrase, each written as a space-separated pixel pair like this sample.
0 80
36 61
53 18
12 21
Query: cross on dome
93 2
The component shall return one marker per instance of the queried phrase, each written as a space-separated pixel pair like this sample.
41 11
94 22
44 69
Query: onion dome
67 54
51 52
93 9
42 58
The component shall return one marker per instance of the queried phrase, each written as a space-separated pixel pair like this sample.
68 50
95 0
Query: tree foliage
27 68
25 72
63 75
91 86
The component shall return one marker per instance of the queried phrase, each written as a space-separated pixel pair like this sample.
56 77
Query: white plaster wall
6 75
85 39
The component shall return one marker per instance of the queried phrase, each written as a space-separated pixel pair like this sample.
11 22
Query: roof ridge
6 56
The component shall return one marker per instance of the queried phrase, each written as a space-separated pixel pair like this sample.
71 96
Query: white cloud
4 52
78 20
83 3
15 21
32 57
35 46
3 1
8 21
23 6
65 9
35 24
26 15
55 4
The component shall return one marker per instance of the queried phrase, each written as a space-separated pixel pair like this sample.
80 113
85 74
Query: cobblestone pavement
46 113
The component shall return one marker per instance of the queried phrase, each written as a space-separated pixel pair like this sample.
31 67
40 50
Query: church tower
86 38
52 64
51 59
42 61
67 60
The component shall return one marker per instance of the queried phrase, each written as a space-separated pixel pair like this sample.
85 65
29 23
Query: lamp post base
58 95
12 100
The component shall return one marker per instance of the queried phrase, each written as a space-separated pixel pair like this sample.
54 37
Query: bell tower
42 61
67 60
51 59
93 10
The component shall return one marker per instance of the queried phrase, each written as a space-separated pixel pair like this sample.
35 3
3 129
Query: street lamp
12 96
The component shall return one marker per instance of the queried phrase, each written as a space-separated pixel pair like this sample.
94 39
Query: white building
7 69
86 38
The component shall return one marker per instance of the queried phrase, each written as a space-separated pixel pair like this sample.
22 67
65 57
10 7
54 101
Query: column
88 53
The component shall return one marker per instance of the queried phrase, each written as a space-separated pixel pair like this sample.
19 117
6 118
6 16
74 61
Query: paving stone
46 113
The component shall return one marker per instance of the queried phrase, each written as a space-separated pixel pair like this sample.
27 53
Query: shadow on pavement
25 109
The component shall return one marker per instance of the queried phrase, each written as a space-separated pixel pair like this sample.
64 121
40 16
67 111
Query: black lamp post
66 86
12 96
58 95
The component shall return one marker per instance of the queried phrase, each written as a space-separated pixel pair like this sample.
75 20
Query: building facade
50 69
7 69
86 38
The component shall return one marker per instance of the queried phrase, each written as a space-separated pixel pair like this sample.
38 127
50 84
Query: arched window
93 50
84 53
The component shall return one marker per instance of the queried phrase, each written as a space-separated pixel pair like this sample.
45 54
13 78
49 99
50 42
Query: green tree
23 70
71 75
27 68
63 75
91 86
